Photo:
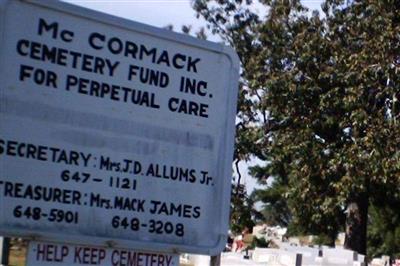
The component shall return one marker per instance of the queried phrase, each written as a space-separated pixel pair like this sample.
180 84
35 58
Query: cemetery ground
18 251
281 251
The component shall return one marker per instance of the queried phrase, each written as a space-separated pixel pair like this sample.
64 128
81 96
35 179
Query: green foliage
384 229
322 240
275 208
243 214
319 102
259 243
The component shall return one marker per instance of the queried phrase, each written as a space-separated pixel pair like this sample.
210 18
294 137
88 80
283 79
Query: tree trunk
356 225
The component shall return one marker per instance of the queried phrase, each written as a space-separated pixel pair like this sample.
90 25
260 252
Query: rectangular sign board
57 254
113 131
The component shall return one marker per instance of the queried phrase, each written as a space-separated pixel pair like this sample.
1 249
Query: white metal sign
56 254
112 131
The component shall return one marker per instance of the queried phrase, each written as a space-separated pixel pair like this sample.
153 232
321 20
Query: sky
157 13
160 13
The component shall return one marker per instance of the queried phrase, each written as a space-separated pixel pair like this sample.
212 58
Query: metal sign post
4 251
